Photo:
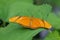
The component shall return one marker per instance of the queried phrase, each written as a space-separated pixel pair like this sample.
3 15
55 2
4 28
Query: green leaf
15 31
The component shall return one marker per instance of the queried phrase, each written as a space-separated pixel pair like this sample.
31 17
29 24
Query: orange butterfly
30 22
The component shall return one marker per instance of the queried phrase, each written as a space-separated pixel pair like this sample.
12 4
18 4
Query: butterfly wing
25 21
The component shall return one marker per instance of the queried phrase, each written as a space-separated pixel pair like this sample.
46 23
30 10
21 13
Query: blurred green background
10 8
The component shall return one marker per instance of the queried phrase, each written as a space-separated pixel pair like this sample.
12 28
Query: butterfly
30 22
